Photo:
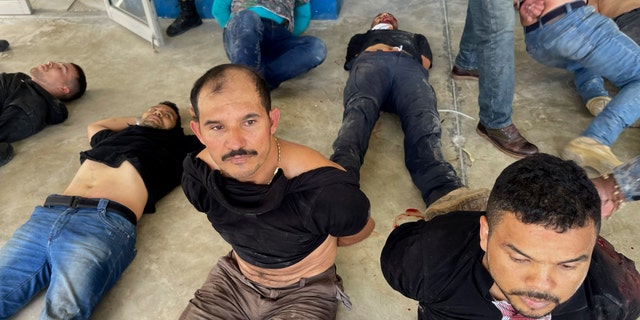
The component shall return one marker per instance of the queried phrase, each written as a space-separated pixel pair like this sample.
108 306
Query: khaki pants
227 294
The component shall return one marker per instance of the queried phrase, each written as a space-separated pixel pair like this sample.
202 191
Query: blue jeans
78 253
591 85
269 48
395 82
584 41
487 45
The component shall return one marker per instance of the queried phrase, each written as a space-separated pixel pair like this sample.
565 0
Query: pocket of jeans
118 224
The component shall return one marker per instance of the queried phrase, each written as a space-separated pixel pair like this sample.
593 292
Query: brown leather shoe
462 74
508 140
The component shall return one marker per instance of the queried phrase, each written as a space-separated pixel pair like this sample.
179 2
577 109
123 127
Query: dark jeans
395 82
269 48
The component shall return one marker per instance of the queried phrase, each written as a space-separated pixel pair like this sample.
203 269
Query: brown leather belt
553 14
81 202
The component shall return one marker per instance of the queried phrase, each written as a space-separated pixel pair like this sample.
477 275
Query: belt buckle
74 202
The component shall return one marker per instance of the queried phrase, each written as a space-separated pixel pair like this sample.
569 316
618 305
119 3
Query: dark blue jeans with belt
395 82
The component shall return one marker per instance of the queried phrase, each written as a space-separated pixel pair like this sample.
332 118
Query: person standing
486 53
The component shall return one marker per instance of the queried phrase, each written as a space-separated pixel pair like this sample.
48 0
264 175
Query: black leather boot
186 20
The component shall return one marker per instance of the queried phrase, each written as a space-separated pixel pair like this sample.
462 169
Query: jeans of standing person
395 82
584 40
591 85
78 253
487 45
270 48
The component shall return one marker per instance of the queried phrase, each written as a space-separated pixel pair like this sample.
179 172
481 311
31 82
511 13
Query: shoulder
297 159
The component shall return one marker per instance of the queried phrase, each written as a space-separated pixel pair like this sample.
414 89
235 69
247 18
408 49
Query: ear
64 90
274 117
195 127
484 233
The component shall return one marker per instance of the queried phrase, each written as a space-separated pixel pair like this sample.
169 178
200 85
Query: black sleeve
353 50
99 136
341 210
421 259
401 259
424 48
194 176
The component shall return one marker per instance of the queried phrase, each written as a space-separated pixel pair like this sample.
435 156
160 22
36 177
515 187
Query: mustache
239 152
536 295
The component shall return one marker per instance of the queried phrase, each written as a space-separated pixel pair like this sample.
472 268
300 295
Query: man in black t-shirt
284 208
534 253
389 71
79 242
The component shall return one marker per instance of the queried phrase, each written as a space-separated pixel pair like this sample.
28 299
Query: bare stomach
122 184
315 263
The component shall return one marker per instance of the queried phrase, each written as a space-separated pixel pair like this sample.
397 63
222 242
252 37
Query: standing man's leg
492 26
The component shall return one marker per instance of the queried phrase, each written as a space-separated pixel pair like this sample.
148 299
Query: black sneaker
6 153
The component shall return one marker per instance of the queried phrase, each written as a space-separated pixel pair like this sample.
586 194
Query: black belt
557 12
80 202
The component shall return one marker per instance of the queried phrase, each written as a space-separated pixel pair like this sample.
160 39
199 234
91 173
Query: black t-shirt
277 225
439 263
413 43
156 154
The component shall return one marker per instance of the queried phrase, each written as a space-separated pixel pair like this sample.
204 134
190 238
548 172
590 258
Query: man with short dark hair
79 242
535 253
284 208
30 103
389 71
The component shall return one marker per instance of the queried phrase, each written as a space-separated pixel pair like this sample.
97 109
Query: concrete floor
177 246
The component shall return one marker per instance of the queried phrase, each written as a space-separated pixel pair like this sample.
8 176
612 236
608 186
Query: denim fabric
270 49
395 82
591 85
78 253
487 45
584 40
628 178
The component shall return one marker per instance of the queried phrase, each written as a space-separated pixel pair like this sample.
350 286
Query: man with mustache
283 207
79 242
534 254
30 103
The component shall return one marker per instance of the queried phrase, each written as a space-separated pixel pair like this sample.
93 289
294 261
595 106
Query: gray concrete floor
177 246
